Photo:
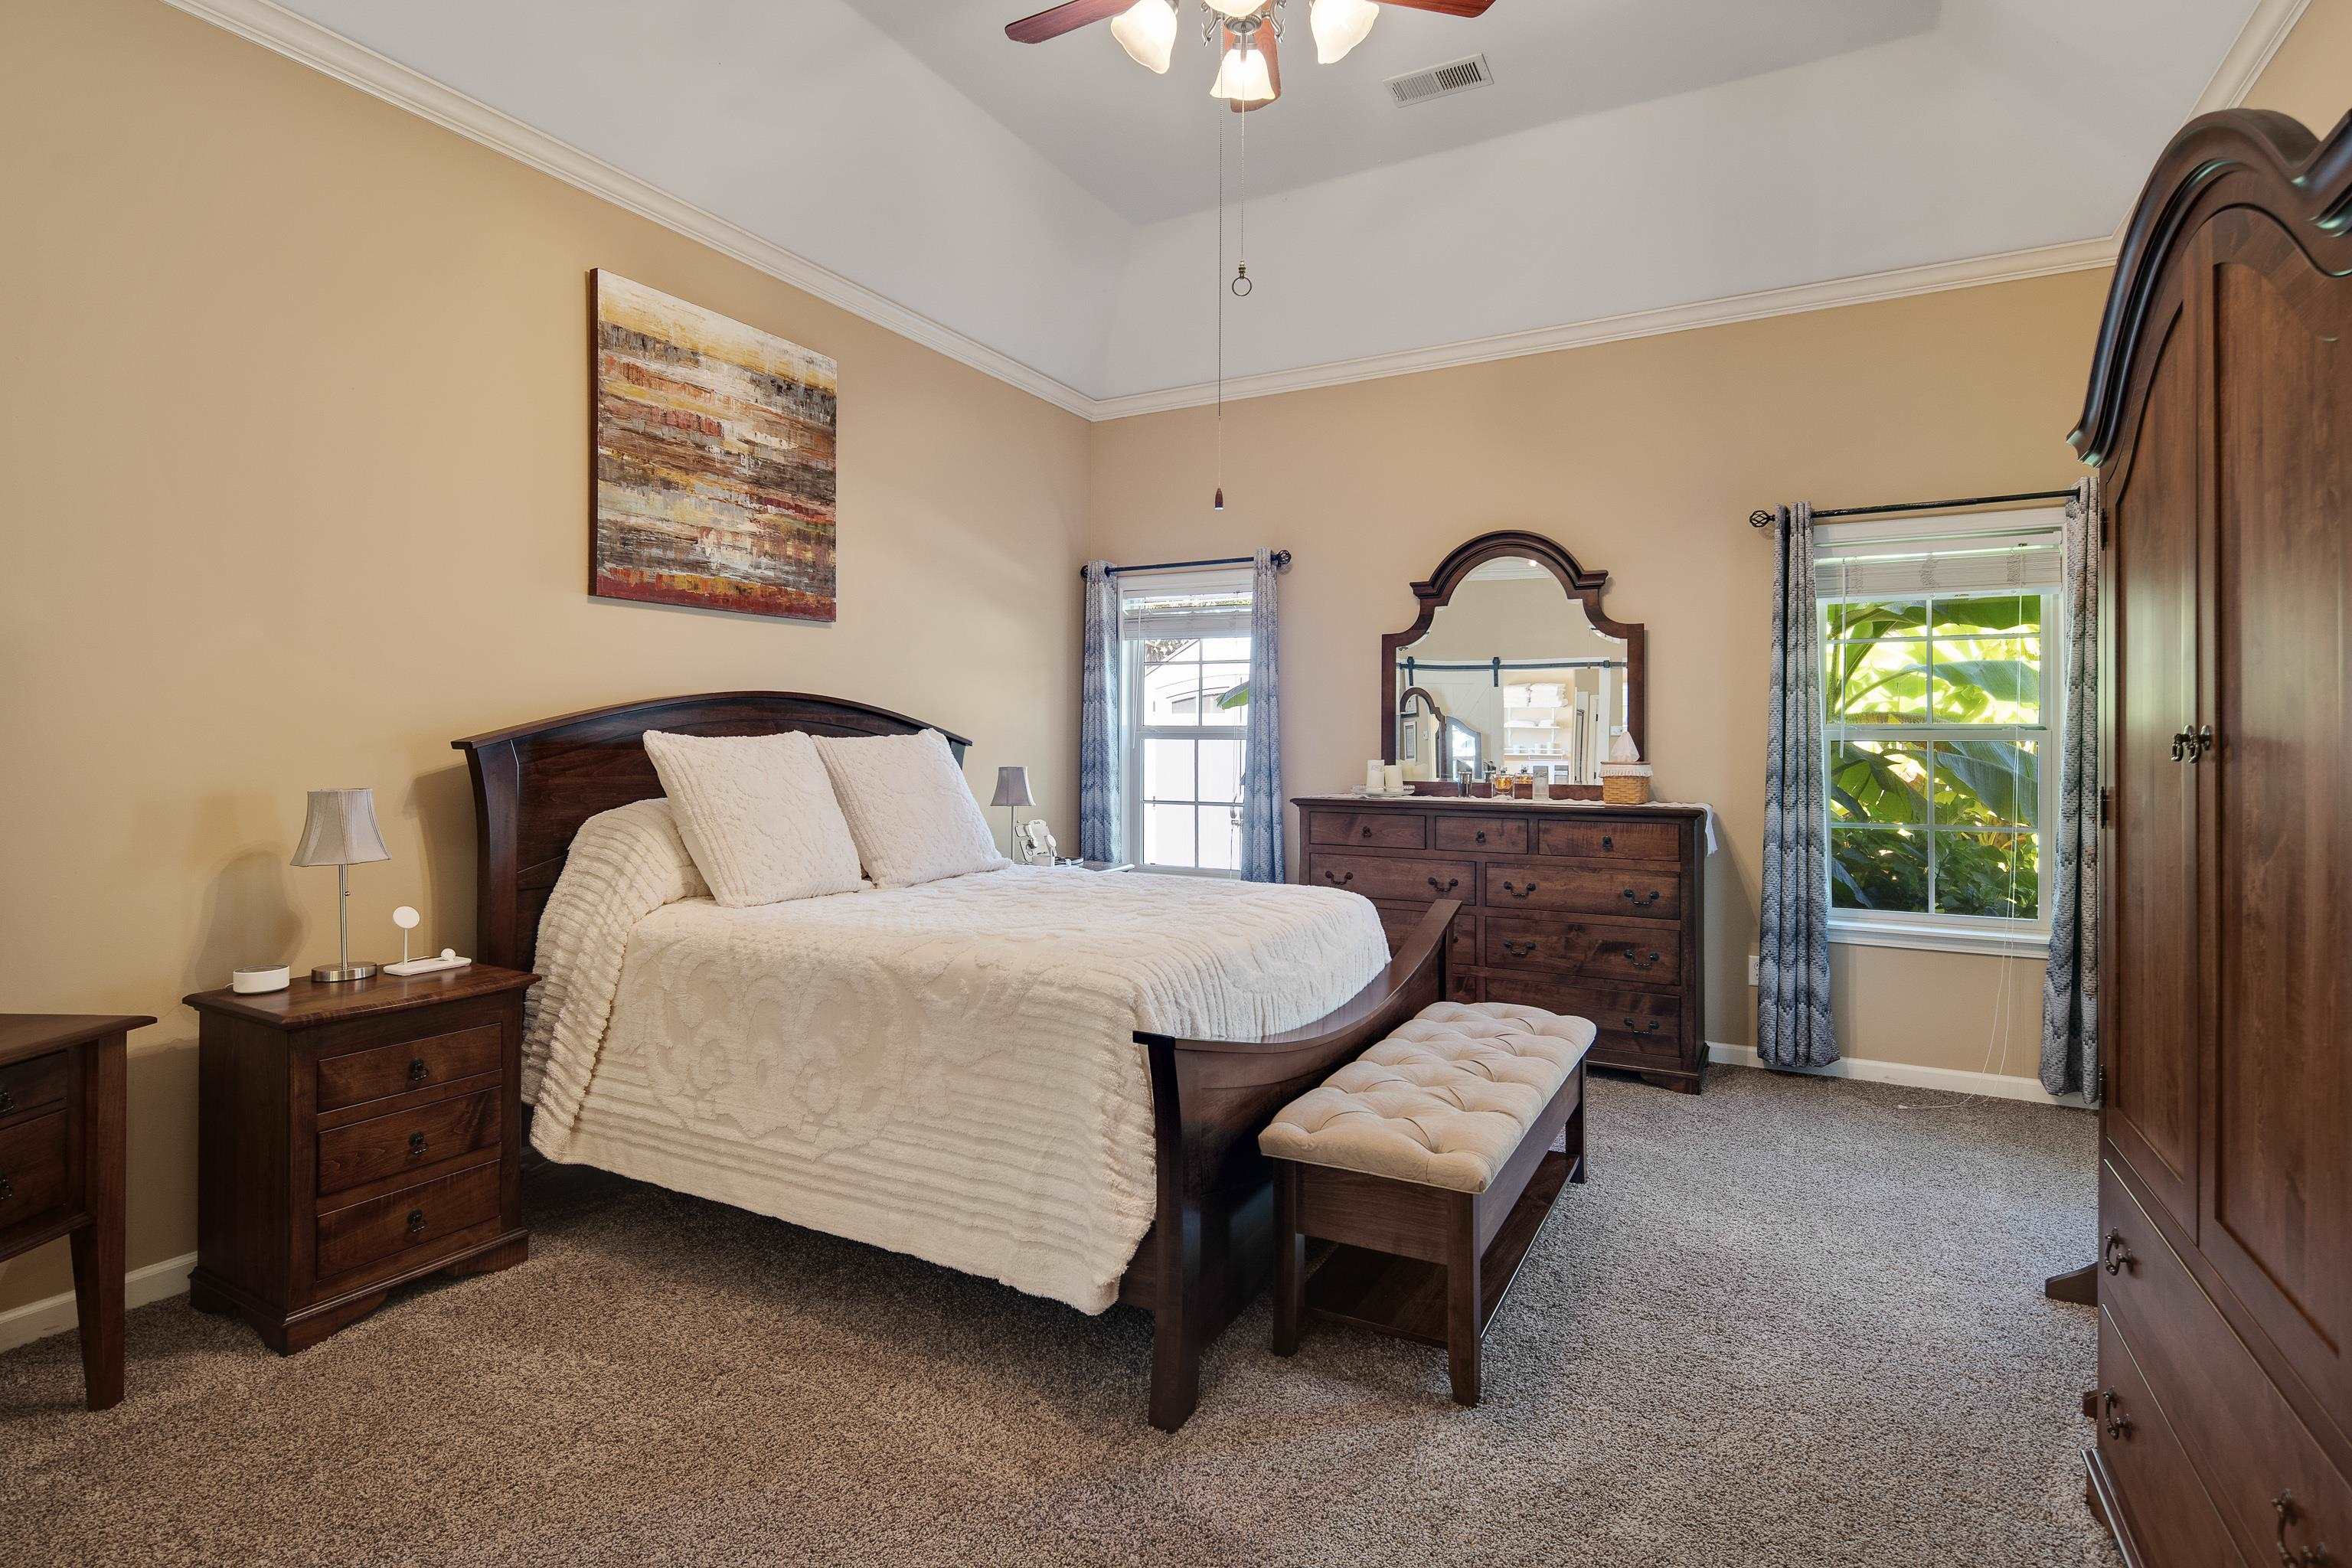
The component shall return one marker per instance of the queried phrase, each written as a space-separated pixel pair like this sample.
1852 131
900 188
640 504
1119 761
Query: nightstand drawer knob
7 1187
415 1221
415 1144
417 1070
7 1102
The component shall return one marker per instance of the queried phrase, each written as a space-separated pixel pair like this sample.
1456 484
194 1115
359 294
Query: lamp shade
1340 25
341 829
1147 31
1012 787
1244 77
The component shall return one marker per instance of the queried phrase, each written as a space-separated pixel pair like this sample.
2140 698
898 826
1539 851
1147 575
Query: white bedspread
945 1070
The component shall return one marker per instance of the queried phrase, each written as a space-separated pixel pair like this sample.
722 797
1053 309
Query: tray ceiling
1055 203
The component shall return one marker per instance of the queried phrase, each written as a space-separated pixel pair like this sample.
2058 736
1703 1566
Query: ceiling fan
1249 72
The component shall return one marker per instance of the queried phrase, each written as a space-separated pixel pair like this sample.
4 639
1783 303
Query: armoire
2219 415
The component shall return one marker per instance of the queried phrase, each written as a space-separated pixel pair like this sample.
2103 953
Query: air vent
1437 81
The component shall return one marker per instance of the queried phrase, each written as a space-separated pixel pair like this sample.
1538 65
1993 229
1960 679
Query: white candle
1373 773
1393 778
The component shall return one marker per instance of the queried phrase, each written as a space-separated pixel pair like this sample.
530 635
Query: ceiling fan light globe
1147 31
1236 9
1242 78
1340 25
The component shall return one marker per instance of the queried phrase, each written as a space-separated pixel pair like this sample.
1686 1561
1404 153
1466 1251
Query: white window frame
1136 732
1999 936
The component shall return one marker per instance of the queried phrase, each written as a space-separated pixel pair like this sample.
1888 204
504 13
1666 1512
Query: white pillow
757 814
913 816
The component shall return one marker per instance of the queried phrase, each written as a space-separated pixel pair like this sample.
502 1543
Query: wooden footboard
1210 1248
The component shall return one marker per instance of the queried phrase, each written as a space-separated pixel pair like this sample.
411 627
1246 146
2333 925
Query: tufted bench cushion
1443 1102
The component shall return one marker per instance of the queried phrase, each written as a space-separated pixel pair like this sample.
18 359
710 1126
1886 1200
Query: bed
1051 1077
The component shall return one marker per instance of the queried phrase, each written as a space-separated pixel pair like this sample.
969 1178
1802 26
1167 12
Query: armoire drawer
1366 829
1380 876
1590 950
1632 890
2173 1520
2243 1438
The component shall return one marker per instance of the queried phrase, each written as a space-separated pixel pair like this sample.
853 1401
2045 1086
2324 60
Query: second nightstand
354 1137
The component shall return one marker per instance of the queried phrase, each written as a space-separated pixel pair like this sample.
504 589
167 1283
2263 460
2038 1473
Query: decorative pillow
913 816
757 814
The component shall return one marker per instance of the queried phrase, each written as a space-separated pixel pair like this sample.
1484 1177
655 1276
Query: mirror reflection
1510 676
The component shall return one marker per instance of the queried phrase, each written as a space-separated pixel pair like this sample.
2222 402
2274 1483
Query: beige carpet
1793 1321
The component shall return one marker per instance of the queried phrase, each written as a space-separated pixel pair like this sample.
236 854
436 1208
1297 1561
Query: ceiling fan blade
1272 67
1065 18
1450 7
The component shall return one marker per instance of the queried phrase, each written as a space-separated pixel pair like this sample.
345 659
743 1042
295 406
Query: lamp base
331 973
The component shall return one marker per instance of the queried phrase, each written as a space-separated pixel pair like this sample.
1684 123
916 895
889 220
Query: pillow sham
913 816
758 815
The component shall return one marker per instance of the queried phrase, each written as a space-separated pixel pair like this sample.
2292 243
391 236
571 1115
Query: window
1940 711
1187 648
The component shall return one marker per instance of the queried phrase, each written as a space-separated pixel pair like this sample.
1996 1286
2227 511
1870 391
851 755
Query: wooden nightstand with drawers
354 1137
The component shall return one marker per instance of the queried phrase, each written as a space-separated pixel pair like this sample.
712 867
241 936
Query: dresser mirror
1510 666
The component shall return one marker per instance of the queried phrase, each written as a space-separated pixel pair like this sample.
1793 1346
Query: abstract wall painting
714 460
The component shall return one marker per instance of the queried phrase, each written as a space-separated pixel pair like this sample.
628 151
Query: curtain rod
1763 518
1281 563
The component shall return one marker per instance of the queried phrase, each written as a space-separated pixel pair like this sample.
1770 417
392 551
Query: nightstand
61 1166
353 1137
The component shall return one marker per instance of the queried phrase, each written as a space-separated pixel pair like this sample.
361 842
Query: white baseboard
140 1287
1951 1080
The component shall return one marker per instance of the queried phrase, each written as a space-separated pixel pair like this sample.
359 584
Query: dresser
61 1148
353 1137
2220 402
1583 909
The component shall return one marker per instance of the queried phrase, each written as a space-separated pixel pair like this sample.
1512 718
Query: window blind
1174 610
1966 564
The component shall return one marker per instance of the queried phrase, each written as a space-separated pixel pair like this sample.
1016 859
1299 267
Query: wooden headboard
534 785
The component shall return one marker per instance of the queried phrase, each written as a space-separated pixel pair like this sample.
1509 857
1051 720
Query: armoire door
2277 824
2149 982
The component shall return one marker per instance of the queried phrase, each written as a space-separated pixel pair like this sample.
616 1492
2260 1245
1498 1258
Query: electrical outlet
1754 973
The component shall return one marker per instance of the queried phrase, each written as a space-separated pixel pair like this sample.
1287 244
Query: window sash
1137 731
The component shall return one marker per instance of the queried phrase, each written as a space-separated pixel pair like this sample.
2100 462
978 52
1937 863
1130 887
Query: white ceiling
1055 203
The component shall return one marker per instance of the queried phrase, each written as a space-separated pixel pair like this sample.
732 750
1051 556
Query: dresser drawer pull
1641 901
1368 830
1518 892
2115 1255
1451 883
2288 1514
417 1070
1607 842
416 1145
1633 956
1652 1029
1482 835
1337 880
7 1102
1518 948
2111 1409
7 1187
415 1221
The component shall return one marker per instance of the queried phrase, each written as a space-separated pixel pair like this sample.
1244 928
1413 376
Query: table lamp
340 831
1012 791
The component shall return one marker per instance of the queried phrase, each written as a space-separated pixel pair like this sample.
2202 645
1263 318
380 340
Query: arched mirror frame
1578 582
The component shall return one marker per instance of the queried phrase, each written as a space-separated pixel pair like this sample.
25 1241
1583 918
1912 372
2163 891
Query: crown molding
2077 255
299 38
2258 44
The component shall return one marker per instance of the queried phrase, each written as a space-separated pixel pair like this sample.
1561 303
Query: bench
1426 1164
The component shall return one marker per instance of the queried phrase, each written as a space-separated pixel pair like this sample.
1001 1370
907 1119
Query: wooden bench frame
1421 1262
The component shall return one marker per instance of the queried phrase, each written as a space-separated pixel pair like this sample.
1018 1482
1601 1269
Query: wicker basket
1623 783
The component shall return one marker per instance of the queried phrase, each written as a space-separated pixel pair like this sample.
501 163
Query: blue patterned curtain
1793 996
1262 776
2070 996
1101 748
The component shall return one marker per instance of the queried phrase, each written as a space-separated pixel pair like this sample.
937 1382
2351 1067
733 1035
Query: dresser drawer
1629 1023
1378 878
1370 829
1399 921
2244 1439
1584 890
410 1220
2172 1519
1613 840
33 1175
1591 950
358 1076
35 1085
1480 835
406 1141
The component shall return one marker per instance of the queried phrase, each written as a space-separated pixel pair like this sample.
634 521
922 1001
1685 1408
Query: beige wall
294 426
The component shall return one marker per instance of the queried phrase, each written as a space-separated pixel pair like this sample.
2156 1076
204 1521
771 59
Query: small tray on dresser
354 1137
